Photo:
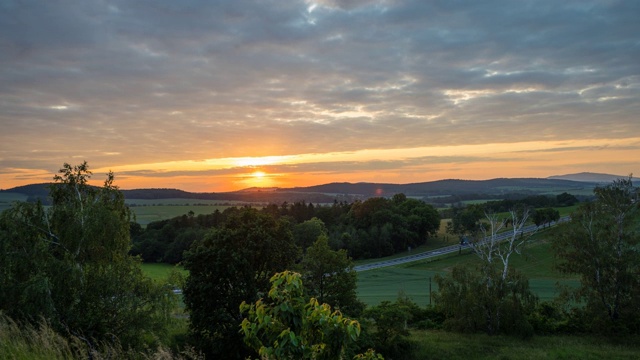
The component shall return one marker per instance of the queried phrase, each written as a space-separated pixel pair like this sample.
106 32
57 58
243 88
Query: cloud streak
122 83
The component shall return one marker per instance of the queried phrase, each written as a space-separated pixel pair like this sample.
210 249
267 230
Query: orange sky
207 96
527 159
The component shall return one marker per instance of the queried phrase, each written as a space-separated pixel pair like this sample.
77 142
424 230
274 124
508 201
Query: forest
278 282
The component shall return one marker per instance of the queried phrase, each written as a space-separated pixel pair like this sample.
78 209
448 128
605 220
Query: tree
329 276
308 231
494 246
284 325
600 244
545 216
566 199
230 265
481 300
70 264
465 221
494 298
391 335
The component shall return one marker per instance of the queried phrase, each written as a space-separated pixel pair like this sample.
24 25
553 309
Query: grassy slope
445 345
412 279
161 271
147 214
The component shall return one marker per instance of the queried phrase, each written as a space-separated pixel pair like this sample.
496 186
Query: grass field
149 210
412 279
147 214
448 345
160 271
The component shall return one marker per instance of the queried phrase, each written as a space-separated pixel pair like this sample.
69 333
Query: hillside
450 187
328 193
588 177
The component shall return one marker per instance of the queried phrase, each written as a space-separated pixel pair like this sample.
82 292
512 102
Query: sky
212 96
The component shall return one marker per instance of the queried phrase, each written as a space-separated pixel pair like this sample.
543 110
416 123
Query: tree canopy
70 265
230 265
600 244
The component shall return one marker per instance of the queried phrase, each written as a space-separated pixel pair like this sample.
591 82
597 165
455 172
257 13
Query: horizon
95 182
218 97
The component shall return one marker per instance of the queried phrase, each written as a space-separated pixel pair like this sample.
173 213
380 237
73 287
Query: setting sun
259 174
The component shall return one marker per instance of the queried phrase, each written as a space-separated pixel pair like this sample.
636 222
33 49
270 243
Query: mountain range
582 183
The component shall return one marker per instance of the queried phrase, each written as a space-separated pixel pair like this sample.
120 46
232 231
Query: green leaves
288 327
232 265
70 263
600 244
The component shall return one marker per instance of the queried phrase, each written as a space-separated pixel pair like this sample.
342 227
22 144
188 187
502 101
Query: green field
149 210
147 214
412 279
160 271
432 344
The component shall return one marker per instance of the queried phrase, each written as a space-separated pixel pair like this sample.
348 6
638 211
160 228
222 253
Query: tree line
372 228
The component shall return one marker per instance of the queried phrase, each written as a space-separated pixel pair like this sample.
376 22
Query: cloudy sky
221 95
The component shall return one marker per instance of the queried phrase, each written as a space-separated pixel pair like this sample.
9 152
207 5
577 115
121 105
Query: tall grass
41 342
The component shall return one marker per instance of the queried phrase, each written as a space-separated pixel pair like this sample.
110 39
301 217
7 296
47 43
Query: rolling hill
327 193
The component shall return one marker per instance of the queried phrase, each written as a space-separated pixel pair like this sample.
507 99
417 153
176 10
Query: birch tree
496 246
69 263
494 297
601 244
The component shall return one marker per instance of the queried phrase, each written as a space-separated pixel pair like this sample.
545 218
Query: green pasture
183 201
434 344
160 271
413 279
147 214
474 202
149 210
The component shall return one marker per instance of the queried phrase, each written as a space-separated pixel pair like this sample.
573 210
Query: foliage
307 232
230 265
380 227
391 324
287 326
70 265
494 298
329 276
601 244
465 221
374 228
481 300
545 216
493 245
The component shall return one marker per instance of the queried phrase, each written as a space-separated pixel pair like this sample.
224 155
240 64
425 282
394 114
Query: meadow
150 210
415 279
438 344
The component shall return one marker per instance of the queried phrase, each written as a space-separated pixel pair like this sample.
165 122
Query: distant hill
327 193
450 187
588 177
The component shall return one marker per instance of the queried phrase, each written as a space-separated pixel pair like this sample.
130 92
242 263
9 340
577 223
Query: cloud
167 81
